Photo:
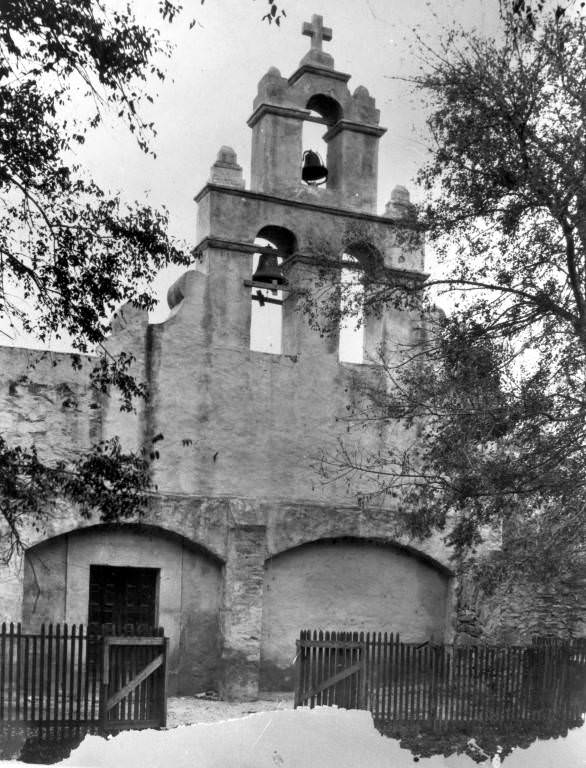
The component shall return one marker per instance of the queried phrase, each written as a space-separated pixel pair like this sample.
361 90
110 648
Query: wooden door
122 597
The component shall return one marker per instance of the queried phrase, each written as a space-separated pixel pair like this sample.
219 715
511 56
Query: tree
69 249
530 12
497 391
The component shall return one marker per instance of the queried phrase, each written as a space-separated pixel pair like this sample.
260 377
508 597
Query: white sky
212 79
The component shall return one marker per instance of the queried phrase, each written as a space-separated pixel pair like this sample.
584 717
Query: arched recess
328 111
346 584
119 561
266 317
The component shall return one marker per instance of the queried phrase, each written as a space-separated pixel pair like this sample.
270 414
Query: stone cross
316 31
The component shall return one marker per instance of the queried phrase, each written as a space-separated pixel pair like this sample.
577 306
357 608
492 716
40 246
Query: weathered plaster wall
242 423
56 580
237 470
44 401
344 585
129 334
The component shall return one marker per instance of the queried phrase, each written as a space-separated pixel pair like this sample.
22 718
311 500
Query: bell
269 271
313 171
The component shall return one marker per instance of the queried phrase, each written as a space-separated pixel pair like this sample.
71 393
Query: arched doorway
132 574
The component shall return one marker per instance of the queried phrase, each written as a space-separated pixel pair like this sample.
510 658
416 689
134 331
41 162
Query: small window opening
266 318
351 340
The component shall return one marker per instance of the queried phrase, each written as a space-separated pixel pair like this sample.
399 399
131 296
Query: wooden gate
331 669
134 689
67 676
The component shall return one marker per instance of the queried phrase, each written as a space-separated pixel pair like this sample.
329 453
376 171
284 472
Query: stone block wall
517 611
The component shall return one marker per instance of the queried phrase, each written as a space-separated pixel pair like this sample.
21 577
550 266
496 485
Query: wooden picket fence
576 646
433 683
106 679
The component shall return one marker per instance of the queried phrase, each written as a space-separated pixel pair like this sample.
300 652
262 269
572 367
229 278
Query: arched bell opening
268 280
351 336
324 113
360 262
314 171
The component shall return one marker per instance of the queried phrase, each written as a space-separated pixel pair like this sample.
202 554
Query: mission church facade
242 546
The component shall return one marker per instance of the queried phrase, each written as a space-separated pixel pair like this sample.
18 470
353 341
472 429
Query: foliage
32 491
494 395
274 14
530 12
74 251
70 252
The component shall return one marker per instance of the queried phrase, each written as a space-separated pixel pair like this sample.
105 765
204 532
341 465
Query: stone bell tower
350 121
242 426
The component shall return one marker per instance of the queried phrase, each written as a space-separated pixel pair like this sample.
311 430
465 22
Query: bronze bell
269 271
313 171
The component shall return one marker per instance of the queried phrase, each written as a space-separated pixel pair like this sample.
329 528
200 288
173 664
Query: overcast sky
212 79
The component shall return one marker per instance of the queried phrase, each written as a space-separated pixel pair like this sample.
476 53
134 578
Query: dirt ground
185 710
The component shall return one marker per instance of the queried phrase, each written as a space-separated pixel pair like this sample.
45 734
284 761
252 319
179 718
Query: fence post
18 667
164 693
362 695
296 700
104 682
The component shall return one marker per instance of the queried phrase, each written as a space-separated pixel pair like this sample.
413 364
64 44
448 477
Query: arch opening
326 112
358 277
351 333
312 141
266 314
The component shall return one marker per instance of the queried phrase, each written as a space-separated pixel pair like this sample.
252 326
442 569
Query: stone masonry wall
518 611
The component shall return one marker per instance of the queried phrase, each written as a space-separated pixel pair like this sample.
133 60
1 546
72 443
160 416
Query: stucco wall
45 402
346 585
249 424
